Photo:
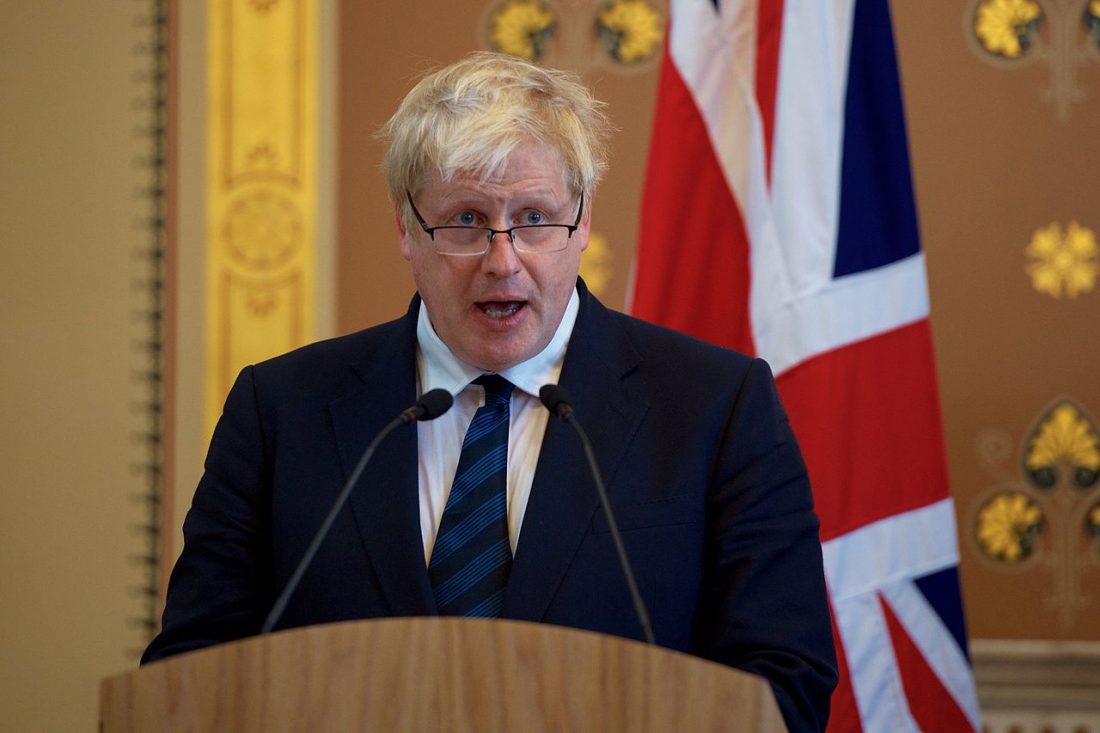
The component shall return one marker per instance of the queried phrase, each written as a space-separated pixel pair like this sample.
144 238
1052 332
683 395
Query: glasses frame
511 232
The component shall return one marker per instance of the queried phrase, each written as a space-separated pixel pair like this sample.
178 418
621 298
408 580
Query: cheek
442 280
557 280
422 274
570 267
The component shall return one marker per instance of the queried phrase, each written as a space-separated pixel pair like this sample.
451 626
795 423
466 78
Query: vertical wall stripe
261 181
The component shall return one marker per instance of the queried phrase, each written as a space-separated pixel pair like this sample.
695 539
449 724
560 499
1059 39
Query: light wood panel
433 674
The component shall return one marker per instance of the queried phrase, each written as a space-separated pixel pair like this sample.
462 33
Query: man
492 167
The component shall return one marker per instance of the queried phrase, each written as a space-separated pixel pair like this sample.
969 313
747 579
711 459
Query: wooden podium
436 674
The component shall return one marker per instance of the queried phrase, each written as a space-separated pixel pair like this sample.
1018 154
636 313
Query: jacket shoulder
677 351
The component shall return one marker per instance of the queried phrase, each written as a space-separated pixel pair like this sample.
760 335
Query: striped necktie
472 557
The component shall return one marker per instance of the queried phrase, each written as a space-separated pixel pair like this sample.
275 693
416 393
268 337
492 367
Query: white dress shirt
440 440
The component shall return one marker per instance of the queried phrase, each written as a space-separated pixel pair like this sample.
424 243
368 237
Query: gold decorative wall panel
578 33
1042 516
632 30
263 316
521 28
261 185
1063 261
1062 34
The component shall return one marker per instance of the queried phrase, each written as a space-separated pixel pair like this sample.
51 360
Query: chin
496 361
499 354
497 364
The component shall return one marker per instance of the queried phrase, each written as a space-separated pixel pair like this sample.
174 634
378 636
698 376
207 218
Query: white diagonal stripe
908 545
873 668
936 644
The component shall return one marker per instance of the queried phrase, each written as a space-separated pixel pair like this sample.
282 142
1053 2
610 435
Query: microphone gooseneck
431 405
556 400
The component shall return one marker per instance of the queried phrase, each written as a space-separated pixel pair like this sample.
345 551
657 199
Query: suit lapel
563 497
385 504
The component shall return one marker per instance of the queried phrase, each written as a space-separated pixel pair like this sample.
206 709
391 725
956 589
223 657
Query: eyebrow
544 199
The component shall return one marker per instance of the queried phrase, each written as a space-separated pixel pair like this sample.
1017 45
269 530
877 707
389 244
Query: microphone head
556 399
434 403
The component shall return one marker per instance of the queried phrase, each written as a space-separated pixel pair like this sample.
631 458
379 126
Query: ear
585 227
403 231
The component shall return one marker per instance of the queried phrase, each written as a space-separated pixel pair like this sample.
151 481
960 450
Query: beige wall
68 299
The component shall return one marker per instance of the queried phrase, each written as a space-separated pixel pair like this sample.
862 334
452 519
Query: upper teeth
501 311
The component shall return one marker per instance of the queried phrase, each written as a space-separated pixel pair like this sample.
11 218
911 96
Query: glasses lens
461 240
474 240
546 238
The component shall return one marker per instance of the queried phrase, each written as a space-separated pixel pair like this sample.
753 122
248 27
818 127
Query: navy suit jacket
702 470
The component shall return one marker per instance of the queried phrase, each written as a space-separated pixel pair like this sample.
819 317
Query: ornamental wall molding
1043 509
1062 34
1034 685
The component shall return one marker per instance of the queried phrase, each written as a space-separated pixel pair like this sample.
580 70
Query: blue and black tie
472 557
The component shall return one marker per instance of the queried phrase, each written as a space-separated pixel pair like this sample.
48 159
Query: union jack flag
778 219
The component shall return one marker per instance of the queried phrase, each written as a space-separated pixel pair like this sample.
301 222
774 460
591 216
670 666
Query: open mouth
500 309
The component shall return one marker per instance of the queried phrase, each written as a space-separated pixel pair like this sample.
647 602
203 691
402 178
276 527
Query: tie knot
497 388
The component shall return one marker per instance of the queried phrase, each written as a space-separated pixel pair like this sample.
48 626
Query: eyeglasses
461 241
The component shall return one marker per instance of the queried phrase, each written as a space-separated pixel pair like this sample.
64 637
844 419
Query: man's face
501 308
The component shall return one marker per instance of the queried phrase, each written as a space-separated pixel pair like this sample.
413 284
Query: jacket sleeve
221 586
764 604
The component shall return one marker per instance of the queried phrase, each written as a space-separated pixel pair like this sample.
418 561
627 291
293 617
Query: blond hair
469 116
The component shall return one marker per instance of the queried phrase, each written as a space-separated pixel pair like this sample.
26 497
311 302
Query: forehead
529 167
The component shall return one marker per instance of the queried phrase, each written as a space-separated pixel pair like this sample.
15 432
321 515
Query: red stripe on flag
867 417
931 705
692 267
769 33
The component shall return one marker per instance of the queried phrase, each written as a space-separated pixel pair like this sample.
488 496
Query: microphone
431 405
557 401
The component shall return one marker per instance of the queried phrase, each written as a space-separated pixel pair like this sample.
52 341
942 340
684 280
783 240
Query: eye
532 217
466 219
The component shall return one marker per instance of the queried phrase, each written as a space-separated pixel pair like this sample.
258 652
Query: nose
501 259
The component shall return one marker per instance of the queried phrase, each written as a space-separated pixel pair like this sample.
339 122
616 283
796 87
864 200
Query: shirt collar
439 367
